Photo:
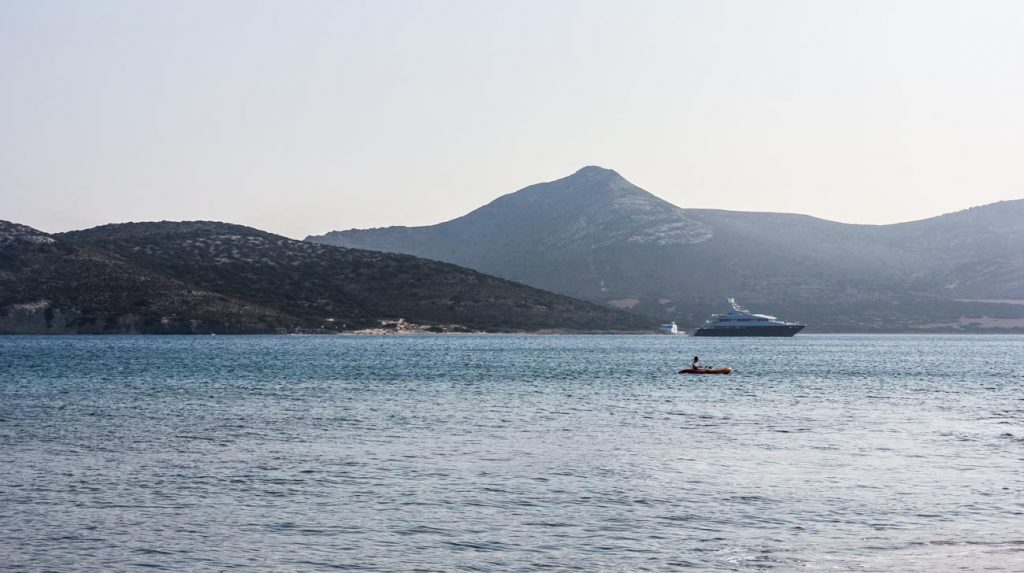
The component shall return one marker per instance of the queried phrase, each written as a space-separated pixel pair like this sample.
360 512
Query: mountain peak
591 209
593 173
594 170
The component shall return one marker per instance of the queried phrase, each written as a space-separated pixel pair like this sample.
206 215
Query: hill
594 235
49 285
215 277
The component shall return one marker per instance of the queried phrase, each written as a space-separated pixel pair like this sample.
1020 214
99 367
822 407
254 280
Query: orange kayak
725 370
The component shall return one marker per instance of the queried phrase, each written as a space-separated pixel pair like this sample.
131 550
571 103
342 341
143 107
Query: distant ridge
209 277
595 235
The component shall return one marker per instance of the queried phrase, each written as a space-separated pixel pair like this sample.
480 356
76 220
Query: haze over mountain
204 277
594 235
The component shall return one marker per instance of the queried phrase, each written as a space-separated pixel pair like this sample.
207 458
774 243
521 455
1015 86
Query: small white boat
669 328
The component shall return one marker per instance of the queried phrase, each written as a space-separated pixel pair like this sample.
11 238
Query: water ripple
483 453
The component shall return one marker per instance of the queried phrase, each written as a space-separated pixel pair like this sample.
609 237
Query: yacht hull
779 330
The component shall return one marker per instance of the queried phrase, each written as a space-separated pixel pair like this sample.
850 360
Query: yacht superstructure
741 322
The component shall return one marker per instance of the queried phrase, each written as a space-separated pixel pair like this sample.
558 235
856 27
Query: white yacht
741 322
669 328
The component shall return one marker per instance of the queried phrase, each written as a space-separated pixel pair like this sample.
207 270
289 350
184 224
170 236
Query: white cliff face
637 220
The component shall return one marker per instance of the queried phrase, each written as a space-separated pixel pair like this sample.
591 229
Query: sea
511 453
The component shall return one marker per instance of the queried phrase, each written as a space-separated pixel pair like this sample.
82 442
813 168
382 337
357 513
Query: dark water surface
489 453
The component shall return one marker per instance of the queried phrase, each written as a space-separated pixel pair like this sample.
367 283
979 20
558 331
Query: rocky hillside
214 277
596 236
48 285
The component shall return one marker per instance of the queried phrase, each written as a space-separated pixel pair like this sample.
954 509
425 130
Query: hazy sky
302 117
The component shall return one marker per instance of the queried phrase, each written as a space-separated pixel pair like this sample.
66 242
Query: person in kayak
696 363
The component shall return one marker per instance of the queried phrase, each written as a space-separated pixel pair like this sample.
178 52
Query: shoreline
548 332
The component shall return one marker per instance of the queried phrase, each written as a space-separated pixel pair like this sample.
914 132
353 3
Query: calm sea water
489 453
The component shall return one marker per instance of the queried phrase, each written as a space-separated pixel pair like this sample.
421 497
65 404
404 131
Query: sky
302 117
